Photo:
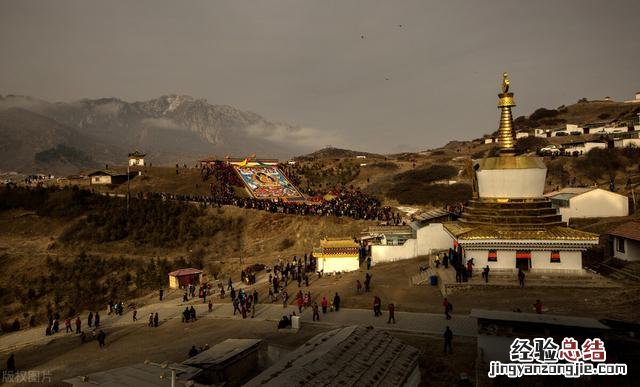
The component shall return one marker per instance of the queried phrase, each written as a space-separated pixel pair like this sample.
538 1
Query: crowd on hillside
353 204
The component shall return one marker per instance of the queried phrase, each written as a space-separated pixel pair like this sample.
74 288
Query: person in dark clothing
101 337
521 278
448 338
78 325
236 306
255 296
392 316
161 294
155 320
185 315
316 314
90 319
447 308
485 274
336 302
97 319
11 364
193 351
192 313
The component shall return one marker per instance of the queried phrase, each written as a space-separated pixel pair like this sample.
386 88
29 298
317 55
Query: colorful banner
267 182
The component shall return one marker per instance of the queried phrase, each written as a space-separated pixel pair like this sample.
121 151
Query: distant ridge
331 152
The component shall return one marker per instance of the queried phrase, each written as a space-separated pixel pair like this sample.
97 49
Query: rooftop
486 232
629 230
350 356
337 242
137 375
220 353
548 319
187 271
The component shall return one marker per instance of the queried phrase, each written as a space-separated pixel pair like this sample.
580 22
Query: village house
581 148
105 177
136 159
336 255
626 241
589 202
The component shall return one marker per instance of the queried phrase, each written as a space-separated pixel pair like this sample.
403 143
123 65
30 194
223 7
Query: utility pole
128 187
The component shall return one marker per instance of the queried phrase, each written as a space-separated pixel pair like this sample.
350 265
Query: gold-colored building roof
485 232
338 243
514 162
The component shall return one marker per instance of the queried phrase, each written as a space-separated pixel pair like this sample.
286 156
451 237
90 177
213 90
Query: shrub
427 175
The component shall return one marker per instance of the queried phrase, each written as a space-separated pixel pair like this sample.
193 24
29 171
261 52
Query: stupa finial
506 136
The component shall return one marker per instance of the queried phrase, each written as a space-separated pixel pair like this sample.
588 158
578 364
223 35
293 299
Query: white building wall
100 179
597 203
341 264
540 260
627 142
430 238
631 250
511 183
593 145
136 162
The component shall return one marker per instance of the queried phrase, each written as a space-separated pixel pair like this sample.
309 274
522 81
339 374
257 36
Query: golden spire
506 137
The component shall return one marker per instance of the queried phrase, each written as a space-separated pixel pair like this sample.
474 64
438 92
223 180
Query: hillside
338 153
581 113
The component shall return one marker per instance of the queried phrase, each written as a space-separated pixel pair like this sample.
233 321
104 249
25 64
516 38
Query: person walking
485 274
324 303
316 314
97 319
78 325
447 308
210 306
135 314
90 319
161 294
11 364
151 320
358 287
521 278
67 325
392 310
236 306
448 338
101 338
336 302
377 306
155 320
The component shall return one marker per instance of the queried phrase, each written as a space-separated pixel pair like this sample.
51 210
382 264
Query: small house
105 177
626 241
184 277
588 203
337 255
136 159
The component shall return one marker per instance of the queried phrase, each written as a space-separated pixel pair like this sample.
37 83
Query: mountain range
64 137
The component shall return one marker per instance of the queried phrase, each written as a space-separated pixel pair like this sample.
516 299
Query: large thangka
266 181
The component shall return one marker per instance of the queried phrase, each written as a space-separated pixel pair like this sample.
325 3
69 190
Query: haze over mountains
65 137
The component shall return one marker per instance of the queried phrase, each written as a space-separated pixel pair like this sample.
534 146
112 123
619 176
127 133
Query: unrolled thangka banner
267 182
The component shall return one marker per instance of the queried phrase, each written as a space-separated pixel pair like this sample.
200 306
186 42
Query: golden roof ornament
506 135
505 82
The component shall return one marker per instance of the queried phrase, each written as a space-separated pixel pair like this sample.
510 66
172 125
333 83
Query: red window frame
492 256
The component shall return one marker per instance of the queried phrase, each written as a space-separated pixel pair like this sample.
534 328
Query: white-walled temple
510 224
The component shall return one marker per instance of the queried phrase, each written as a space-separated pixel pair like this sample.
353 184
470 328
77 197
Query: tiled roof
338 242
351 356
189 271
629 230
488 232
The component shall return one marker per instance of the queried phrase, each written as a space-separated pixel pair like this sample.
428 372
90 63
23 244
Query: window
492 256
620 244
555 256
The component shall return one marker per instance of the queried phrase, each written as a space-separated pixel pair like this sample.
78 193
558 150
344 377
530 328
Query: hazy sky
305 62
